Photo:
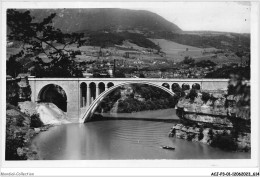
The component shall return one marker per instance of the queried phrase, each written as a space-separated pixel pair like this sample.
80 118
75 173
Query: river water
121 139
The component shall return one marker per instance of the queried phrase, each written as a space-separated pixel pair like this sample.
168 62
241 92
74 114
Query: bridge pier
97 91
88 95
81 97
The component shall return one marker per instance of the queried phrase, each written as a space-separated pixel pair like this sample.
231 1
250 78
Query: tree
12 93
205 97
42 39
13 67
141 75
119 74
240 54
193 94
189 61
205 63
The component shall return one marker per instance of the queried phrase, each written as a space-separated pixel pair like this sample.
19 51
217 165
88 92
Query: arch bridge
82 92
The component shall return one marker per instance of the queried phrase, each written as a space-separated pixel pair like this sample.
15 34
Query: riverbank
23 123
19 134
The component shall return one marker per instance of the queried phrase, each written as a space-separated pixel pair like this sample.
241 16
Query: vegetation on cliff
20 128
12 93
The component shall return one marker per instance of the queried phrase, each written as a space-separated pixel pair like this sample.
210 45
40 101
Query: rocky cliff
221 138
215 119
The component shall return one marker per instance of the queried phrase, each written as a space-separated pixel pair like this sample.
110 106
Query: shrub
177 90
14 140
190 137
173 100
19 120
225 142
205 63
234 133
189 61
182 94
210 133
12 143
36 121
12 93
201 135
10 106
193 94
205 97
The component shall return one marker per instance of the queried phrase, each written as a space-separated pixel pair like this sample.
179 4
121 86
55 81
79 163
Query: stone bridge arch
96 102
70 87
55 94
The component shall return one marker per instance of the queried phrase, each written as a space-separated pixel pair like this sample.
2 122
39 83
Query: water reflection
121 139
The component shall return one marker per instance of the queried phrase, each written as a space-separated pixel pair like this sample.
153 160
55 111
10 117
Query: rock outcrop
49 113
224 139
219 110
216 119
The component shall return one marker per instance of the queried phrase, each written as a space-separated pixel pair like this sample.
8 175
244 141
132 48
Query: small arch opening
185 87
166 85
83 94
110 84
176 87
92 87
101 87
196 86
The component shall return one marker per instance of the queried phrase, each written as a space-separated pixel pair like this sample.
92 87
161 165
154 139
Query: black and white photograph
169 82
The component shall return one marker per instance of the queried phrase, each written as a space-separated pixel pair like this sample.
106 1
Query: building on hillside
87 74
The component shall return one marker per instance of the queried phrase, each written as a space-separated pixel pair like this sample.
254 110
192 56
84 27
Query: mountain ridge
111 26
73 20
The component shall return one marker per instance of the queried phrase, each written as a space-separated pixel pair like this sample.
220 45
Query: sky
212 16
